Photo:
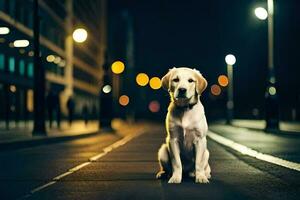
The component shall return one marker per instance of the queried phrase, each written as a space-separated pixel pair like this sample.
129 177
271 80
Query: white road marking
78 167
62 175
42 187
253 153
105 150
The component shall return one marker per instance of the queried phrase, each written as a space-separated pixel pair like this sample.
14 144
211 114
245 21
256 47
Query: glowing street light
80 35
21 43
4 30
261 13
230 61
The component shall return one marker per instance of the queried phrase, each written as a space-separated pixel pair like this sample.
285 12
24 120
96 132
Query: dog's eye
176 80
191 80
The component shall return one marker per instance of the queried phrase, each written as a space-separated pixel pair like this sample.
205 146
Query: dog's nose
181 90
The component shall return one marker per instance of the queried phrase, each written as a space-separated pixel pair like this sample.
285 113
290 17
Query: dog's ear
201 83
165 81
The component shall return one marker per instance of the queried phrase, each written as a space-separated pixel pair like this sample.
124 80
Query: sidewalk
279 145
260 124
290 128
21 136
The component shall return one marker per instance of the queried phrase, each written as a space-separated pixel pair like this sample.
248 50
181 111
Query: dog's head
184 84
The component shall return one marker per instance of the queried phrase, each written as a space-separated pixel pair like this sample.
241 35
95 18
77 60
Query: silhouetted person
85 113
70 106
53 107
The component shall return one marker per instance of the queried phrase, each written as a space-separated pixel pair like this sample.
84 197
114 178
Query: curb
40 141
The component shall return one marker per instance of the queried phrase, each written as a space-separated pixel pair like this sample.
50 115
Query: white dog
185 150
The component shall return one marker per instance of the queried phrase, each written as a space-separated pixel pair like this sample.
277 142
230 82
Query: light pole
272 107
39 127
230 61
106 112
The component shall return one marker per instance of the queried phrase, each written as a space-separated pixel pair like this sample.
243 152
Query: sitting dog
185 150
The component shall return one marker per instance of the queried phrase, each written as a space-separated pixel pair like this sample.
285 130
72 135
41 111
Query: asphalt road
128 172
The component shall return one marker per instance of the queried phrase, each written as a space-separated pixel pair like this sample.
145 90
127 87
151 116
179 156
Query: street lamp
80 35
272 111
261 13
230 61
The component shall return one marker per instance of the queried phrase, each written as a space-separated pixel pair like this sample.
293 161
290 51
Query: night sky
199 34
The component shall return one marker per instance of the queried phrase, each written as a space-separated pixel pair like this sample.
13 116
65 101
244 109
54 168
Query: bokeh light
106 89
21 43
261 13
12 88
155 83
124 100
50 58
31 53
80 35
272 90
230 59
62 63
154 106
4 30
142 79
223 80
117 67
215 90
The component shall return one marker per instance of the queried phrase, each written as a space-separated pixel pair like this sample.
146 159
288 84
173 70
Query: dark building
72 69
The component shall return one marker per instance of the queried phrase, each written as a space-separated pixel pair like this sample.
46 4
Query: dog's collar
187 107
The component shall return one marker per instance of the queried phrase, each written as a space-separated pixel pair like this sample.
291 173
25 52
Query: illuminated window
22 67
2 64
30 69
11 64
29 101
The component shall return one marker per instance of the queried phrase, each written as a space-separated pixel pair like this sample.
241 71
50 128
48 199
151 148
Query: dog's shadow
164 178
188 189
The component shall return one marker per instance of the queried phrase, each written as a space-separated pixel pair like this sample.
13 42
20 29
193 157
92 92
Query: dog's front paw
161 175
176 178
201 178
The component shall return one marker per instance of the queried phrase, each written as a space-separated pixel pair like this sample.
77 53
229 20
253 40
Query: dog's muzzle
181 93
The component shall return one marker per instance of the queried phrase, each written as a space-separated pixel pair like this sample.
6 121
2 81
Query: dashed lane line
105 150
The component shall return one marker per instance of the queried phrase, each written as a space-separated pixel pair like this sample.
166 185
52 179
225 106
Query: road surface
127 171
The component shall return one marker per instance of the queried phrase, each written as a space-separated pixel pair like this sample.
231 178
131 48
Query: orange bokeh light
223 80
124 100
215 90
